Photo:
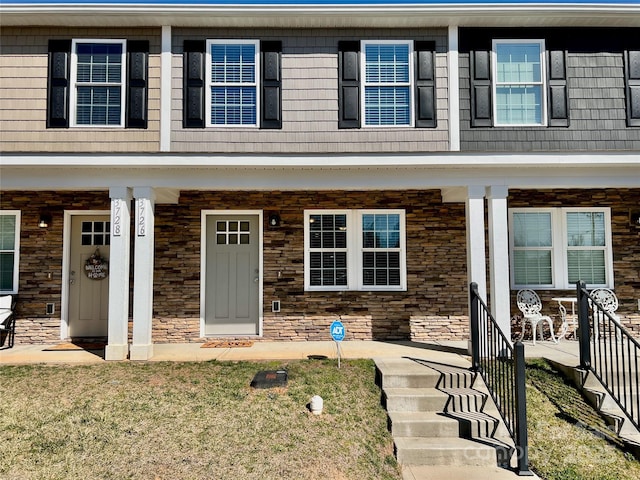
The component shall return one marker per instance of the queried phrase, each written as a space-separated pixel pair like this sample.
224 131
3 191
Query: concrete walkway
454 353
450 353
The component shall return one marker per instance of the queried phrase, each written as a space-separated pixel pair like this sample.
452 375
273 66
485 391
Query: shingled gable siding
310 98
596 90
625 239
23 73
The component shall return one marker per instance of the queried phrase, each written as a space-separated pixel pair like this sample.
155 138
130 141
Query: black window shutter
558 98
480 81
58 84
193 84
425 73
349 84
137 83
632 87
271 111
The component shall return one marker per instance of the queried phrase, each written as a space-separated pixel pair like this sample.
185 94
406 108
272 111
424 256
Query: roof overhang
310 14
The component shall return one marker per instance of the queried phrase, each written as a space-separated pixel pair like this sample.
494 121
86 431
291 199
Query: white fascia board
296 16
452 160
326 178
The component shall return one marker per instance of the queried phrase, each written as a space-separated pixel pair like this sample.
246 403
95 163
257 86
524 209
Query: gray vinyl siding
596 109
310 99
23 96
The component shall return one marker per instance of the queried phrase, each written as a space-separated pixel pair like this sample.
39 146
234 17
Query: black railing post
583 325
522 438
475 327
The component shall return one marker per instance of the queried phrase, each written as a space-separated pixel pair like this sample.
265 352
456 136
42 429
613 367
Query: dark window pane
86 239
221 239
341 239
341 260
368 239
233 239
367 276
87 226
98 227
98 240
394 277
315 260
394 260
328 260
341 277
328 240
381 260
315 278
381 277
368 259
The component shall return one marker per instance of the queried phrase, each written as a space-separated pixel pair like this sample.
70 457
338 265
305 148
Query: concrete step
405 373
464 399
449 472
413 399
422 424
476 424
443 451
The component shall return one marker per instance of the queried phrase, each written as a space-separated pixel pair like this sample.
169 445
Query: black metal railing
502 368
609 351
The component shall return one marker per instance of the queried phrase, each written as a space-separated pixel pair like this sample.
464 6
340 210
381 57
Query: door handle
256 280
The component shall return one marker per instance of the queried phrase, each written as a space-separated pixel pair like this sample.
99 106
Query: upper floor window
519 90
9 250
232 72
98 81
355 250
556 247
387 83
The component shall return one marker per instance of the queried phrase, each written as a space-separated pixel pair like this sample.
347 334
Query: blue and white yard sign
337 331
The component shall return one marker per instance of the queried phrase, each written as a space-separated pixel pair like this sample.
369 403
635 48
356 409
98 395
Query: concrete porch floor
451 352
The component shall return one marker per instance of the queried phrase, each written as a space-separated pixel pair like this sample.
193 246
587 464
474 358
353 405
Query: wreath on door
96 267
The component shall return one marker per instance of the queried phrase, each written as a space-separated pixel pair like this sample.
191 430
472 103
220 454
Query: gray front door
88 287
232 277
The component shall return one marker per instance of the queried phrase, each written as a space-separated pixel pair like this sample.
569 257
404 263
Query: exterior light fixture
634 218
274 220
45 220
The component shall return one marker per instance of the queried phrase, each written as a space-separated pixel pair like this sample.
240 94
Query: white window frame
209 83
73 94
559 248
355 249
16 251
542 83
410 84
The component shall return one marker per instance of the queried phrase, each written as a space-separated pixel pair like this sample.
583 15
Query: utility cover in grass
270 379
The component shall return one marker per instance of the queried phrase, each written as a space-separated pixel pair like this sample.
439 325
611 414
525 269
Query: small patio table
567 319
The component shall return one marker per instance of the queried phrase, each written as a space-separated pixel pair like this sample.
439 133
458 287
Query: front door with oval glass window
232 277
88 276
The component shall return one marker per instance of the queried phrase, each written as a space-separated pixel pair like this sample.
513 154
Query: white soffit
322 16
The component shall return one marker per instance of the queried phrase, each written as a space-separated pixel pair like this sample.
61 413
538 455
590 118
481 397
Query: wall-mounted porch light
274 220
634 218
45 220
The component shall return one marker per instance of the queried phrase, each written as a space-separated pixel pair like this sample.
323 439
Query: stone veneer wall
436 266
41 255
433 308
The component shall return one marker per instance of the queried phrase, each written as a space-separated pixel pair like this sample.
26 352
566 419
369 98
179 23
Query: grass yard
195 421
192 421
568 440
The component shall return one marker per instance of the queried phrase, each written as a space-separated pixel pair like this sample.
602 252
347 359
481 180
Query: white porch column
476 253
142 346
165 89
454 90
118 344
499 256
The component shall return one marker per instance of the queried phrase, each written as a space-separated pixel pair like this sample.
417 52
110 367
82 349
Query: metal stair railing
608 350
502 368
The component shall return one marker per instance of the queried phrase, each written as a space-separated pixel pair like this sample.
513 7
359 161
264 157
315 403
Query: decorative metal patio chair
530 305
7 321
609 303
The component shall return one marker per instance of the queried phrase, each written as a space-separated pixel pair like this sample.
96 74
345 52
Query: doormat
227 344
71 347
270 379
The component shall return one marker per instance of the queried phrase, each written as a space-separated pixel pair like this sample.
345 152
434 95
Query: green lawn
192 421
568 440
202 420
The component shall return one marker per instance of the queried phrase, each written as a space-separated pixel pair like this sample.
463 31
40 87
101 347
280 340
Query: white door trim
66 256
203 260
